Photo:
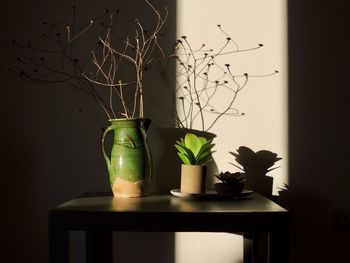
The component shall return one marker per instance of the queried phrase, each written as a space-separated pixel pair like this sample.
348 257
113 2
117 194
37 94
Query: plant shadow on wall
255 166
207 87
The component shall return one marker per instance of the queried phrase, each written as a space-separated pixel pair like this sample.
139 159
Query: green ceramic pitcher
130 163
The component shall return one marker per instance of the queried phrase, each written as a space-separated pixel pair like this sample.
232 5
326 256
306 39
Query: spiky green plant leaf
180 148
194 150
204 158
193 143
203 140
184 158
206 148
185 151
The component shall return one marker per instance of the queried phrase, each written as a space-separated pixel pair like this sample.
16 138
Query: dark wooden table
263 223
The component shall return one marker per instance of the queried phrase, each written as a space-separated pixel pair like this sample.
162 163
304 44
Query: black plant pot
222 188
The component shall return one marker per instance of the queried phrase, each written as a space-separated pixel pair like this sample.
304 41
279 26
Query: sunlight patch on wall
263 100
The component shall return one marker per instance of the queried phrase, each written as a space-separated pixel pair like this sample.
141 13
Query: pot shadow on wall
256 166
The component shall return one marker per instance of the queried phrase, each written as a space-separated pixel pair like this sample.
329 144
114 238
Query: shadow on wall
58 155
319 127
256 166
19 191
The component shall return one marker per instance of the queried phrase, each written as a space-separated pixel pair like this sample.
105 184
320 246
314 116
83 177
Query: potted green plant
231 183
195 152
207 86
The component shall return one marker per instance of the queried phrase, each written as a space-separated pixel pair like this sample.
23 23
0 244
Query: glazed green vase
129 164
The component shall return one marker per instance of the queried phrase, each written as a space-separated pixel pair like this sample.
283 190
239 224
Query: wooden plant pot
193 179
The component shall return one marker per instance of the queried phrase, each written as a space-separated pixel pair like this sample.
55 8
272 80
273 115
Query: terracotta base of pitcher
124 188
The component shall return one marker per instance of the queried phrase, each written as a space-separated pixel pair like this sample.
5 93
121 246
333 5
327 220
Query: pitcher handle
146 124
108 161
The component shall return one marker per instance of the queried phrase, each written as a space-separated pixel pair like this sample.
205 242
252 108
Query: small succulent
231 183
231 178
194 150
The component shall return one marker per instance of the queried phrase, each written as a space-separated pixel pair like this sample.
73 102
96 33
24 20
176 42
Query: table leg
248 247
58 244
263 243
278 247
99 246
255 247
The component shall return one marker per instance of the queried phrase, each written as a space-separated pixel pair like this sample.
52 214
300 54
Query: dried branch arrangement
60 64
140 52
201 78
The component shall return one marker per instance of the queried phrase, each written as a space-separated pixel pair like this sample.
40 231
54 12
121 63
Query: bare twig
105 82
138 53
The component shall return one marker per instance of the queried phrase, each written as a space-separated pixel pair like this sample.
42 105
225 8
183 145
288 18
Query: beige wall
264 100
